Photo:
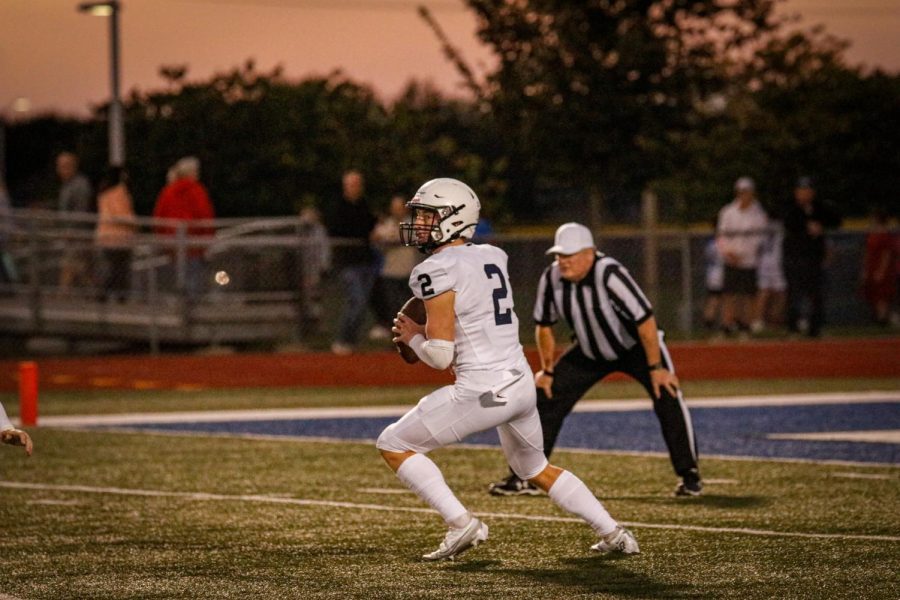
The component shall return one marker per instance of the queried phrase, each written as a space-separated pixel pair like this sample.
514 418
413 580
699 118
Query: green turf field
117 515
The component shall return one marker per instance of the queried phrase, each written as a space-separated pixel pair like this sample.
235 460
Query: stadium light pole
111 9
18 105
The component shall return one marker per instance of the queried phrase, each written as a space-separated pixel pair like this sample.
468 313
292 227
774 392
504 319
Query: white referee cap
570 238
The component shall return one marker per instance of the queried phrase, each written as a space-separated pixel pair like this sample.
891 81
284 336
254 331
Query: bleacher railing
252 280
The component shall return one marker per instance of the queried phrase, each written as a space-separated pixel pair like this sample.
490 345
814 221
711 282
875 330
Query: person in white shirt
472 326
12 436
770 280
714 276
740 233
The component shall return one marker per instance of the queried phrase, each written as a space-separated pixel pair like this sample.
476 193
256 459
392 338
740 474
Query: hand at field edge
17 437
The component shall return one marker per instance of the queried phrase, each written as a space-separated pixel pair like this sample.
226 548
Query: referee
615 331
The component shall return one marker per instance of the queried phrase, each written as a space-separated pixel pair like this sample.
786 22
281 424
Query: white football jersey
486 328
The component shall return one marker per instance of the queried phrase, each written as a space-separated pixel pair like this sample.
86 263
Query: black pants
575 374
805 284
118 264
388 296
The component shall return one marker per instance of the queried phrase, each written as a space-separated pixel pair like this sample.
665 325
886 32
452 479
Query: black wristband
658 366
548 373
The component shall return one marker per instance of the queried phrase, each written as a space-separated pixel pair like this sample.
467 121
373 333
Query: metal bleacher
250 290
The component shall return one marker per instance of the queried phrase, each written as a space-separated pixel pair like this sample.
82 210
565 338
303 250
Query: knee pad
529 468
389 441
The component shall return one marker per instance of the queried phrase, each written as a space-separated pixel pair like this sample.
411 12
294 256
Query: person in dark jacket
805 254
350 223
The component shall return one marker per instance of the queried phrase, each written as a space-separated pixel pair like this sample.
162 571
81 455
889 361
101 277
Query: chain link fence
233 281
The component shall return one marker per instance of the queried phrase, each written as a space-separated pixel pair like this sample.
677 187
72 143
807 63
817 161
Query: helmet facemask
428 226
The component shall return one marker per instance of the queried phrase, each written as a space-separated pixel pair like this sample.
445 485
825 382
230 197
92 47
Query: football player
472 326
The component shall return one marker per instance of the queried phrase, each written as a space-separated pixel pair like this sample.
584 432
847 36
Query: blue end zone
739 431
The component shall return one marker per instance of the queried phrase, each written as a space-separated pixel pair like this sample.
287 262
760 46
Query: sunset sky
58 58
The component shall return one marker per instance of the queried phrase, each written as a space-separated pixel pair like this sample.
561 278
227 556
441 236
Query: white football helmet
441 211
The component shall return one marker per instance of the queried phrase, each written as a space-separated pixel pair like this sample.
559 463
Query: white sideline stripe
261 437
357 506
863 476
384 491
278 414
882 436
220 416
53 502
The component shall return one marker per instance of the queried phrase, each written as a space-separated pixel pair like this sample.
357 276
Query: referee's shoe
513 486
691 484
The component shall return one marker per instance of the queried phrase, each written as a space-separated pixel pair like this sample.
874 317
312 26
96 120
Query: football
414 308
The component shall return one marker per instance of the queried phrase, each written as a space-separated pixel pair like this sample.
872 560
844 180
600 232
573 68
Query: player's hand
17 437
544 382
664 379
406 329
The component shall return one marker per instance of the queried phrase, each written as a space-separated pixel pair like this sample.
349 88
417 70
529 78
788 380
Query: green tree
594 94
794 109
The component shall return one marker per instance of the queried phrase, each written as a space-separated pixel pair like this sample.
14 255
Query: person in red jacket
185 199
879 285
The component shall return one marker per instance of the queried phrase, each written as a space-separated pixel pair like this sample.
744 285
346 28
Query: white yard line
253 498
387 491
280 414
880 436
863 476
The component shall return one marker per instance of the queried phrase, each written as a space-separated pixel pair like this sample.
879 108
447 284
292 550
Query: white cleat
620 540
458 541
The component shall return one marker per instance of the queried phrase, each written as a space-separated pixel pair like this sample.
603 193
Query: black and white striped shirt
604 309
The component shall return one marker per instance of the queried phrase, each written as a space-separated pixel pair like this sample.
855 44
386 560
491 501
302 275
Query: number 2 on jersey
425 280
500 317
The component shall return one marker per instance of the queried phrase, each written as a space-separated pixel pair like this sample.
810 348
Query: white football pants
477 401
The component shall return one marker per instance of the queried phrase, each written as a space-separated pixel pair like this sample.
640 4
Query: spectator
185 199
879 267
315 252
805 224
392 287
75 196
351 223
6 272
895 313
770 281
115 232
714 275
739 235
484 231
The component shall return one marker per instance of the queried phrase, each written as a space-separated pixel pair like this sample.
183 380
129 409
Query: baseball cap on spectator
744 184
804 182
571 238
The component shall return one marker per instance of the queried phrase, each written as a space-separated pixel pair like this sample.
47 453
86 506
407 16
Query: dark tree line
682 97
605 98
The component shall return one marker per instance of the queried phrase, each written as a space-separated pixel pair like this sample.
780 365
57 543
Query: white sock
423 477
570 493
